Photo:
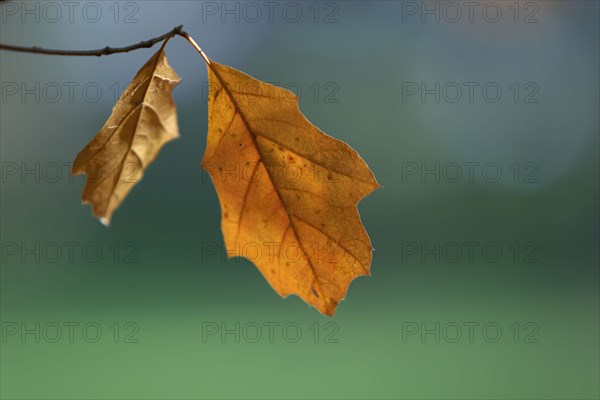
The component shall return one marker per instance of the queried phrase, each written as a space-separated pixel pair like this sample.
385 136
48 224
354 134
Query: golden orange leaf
288 192
143 120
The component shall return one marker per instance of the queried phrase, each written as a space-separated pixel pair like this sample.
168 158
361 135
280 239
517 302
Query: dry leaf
288 192
142 121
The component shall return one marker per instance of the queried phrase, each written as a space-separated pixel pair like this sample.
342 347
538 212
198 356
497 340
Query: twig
100 52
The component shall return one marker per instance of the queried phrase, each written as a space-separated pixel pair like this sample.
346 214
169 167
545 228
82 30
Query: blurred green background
163 301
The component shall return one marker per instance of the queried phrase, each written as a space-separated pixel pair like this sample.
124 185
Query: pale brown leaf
142 121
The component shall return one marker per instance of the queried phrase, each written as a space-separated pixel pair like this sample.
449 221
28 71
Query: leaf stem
99 52
187 37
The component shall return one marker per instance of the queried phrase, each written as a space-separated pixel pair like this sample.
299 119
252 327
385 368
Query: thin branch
100 52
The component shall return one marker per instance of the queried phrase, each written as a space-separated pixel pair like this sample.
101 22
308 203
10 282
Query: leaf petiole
187 37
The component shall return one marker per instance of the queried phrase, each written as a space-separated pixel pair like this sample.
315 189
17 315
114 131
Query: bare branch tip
100 52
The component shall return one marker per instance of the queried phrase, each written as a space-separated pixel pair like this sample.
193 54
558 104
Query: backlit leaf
288 192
